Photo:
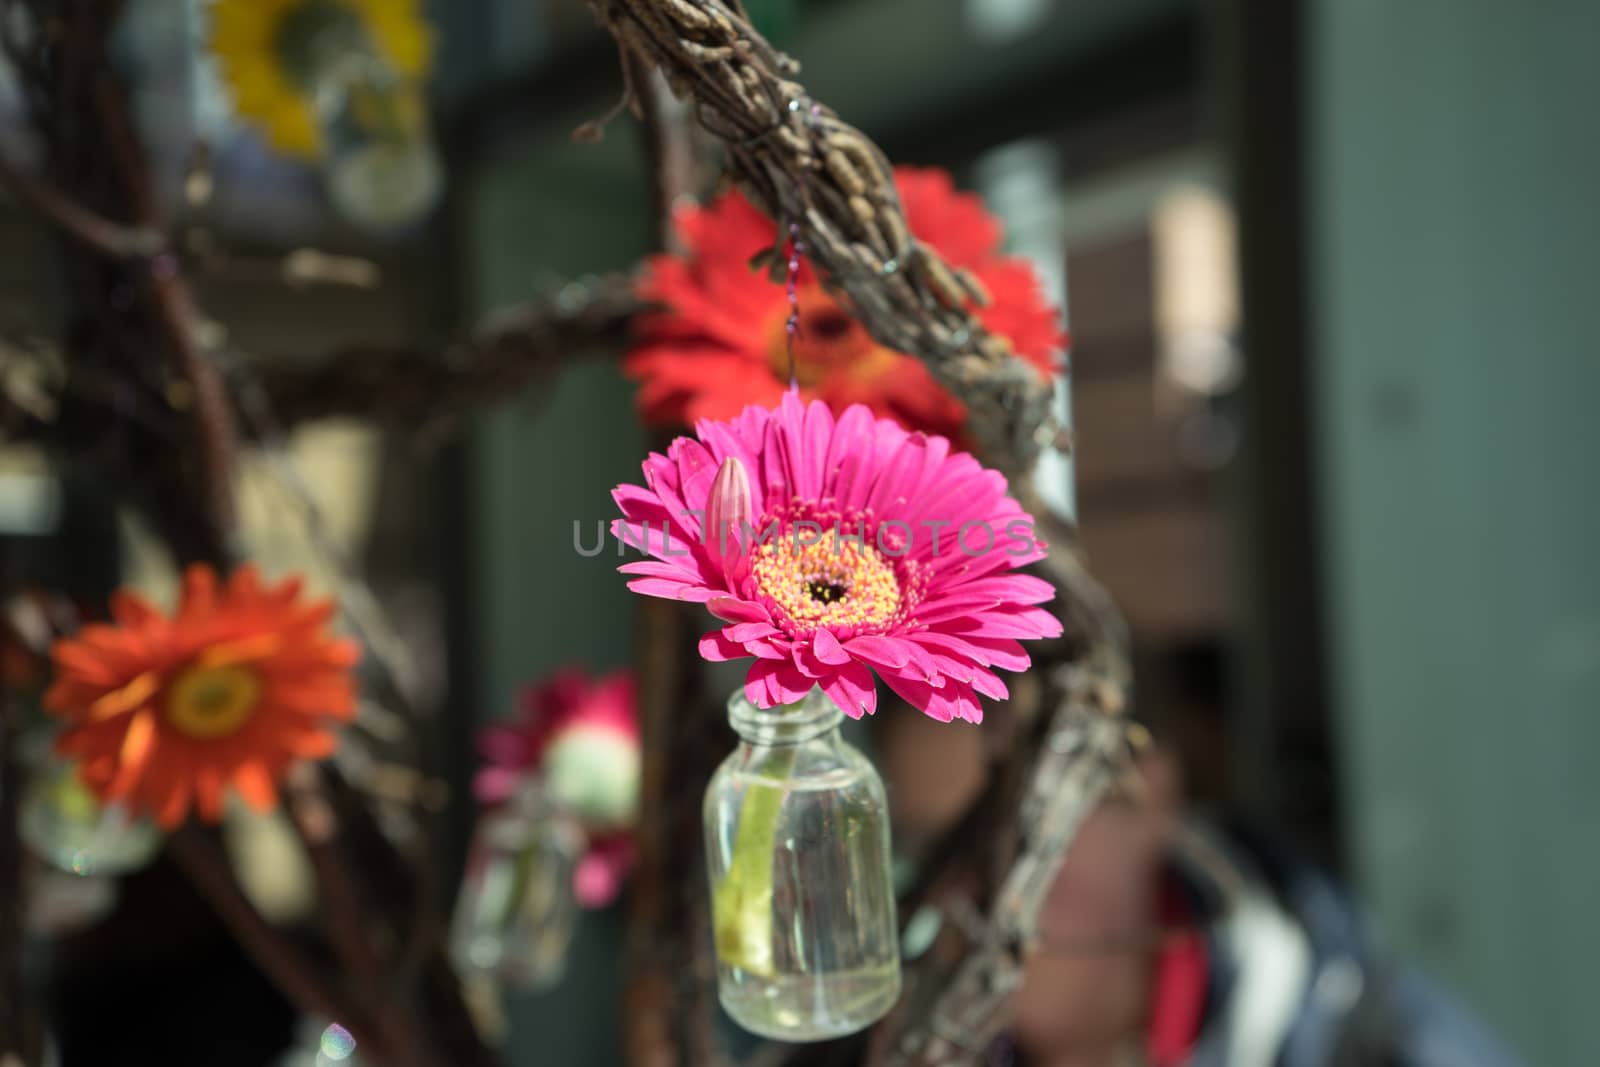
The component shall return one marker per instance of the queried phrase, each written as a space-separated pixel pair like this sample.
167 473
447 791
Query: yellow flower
252 47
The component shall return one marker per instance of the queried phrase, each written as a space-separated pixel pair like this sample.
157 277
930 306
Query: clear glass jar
67 827
517 910
797 846
383 171
382 167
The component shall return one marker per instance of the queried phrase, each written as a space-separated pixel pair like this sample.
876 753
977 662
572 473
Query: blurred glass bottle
517 910
382 167
65 825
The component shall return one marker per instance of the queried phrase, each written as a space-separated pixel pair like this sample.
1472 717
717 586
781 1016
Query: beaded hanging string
797 248
792 326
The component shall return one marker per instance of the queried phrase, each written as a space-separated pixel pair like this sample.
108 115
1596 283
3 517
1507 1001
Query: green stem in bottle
741 901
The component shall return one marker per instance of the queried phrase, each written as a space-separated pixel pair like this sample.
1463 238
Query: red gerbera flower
722 344
165 711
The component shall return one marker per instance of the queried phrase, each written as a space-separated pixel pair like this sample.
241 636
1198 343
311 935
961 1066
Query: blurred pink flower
580 736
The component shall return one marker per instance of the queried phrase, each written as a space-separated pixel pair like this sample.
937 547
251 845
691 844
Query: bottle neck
811 717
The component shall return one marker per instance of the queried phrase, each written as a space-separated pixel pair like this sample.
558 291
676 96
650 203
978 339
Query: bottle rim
809 717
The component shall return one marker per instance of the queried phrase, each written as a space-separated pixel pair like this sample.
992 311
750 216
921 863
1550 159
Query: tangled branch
431 388
832 189
1069 759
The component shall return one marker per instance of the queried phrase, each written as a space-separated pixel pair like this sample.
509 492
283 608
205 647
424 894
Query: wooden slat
1164 567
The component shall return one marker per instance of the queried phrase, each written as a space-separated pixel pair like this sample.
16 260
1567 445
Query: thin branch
349 926
100 105
423 390
1079 762
1074 754
428 391
272 951
19 1026
450 1025
110 239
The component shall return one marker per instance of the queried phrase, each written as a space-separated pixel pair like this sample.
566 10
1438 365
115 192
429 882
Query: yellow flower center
837 582
212 702
828 341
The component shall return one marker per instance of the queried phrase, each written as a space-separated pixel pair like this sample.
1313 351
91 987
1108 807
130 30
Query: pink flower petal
852 690
919 695
719 649
889 653
1002 652
1026 623
641 505
892 491
954 606
990 685
852 438
808 461
749 631
731 609
495 785
670 590
827 648
922 662
655 568
1012 588
944 666
668 545
774 682
806 662
696 471
766 650
595 882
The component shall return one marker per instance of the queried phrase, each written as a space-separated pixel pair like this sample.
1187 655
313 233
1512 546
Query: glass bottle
797 846
517 910
67 826
383 171
382 167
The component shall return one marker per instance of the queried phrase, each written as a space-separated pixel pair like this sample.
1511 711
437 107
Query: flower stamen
212 702
838 583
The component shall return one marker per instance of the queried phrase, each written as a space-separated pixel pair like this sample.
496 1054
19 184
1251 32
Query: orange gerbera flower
164 713
721 343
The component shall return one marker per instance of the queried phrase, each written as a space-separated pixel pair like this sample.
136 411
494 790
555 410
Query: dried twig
20 1032
108 238
288 968
1074 757
427 391
348 920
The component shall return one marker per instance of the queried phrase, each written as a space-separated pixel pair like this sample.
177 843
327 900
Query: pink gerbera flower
835 548
581 737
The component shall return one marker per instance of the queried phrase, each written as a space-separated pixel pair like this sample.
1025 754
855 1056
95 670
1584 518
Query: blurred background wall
1451 175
